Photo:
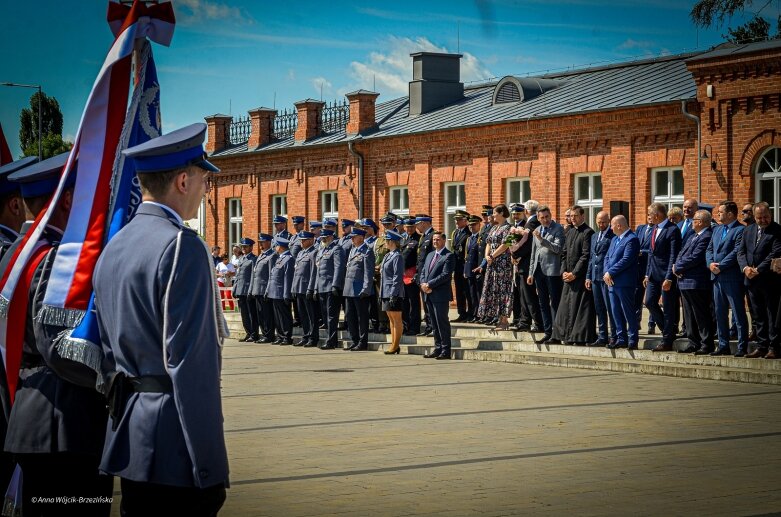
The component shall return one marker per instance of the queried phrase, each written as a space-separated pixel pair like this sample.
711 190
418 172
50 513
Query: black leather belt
31 360
151 384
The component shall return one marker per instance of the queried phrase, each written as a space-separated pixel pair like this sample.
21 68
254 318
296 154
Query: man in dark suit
762 243
435 284
620 277
690 207
600 243
694 283
530 316
458 242
659 278
643 233
728 289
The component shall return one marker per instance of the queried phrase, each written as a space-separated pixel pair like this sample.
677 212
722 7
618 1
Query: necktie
653 238
543 232
724 232
685 227
433 261
600 237
759 235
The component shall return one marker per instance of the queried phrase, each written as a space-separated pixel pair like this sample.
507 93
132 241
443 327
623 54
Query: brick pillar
362 104
309 111
262 120
217 132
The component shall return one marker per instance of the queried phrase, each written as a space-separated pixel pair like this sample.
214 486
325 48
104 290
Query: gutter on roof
696 119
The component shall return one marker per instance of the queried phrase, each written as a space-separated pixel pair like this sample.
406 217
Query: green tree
51 127
709 13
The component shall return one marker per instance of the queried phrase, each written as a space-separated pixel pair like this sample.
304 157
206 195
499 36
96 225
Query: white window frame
770 158
329 198
235 220
450 209
670 199
591 205
402 207
279 199
524 185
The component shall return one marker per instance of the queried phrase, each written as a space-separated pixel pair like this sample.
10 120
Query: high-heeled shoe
391 352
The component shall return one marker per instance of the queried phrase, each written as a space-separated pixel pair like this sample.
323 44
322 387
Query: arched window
768 172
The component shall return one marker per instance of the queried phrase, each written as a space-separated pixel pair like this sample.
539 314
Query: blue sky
232 56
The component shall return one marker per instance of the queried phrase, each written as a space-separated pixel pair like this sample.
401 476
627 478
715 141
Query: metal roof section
733 49
624 85
519 89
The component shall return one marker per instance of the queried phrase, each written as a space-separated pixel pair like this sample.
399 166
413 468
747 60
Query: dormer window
519 89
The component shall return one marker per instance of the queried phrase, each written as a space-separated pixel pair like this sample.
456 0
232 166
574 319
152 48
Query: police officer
12 217
279 291
409 253
304 296
280 228
241 290
346 242
57 421
358 288
162 333
471 267
260 274
392 288
12 214
458 240
298 227
425 246
327 282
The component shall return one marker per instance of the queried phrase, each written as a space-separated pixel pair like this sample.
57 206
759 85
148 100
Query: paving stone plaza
313 432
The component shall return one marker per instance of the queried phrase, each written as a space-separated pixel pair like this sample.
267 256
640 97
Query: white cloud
390 69
191 12
631 43
291 74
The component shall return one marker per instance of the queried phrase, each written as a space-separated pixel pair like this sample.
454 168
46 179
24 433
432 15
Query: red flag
5 152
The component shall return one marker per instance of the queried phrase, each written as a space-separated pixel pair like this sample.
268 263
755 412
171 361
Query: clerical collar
167 209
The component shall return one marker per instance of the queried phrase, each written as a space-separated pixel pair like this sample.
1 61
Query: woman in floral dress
497 298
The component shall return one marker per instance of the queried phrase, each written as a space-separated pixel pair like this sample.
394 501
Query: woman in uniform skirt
392 289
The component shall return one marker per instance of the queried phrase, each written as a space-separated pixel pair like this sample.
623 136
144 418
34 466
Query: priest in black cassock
576 319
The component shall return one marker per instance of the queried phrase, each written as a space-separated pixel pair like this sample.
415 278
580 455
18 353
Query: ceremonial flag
96 146
5 152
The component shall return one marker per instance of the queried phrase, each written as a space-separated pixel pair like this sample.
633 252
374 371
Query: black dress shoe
617 345
359 348
341 326
523 328
431 355
264 340
349 348
277 341
740 353
423 334
535 328
688 350
598 343
460 319
542 340
703 351
721 351
301 342
310 344
652 330
327 347
410 333
323 326
245 339
552 341
443 355
286 342
296 324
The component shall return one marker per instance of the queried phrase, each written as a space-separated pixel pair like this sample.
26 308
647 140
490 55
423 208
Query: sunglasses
745 211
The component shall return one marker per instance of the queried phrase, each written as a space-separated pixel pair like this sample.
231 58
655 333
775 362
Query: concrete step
626 365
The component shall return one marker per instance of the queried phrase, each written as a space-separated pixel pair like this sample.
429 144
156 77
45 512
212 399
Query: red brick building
627 132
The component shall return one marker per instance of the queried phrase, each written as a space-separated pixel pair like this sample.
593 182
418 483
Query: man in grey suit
260 275
162 329
435 276
545 268
241 290
327 282
304 296
279 291
358 288
56 424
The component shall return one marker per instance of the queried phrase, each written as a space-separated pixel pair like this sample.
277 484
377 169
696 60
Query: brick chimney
309 111
217 132
262 120
362 103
